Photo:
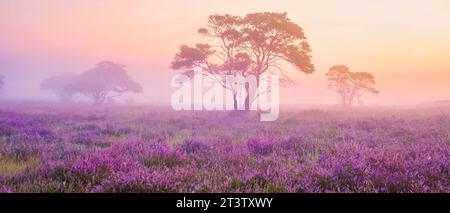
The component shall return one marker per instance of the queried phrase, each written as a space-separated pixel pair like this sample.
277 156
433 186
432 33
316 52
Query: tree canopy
62 85
256 43
350 84
104 82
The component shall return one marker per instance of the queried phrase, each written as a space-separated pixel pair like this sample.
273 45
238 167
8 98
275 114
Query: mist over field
103 96
406 49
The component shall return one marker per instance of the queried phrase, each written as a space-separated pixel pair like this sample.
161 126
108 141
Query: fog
405 50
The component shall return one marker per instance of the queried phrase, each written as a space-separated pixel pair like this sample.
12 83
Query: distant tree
350 84
1 81
255 44
106 81
363 82
62 85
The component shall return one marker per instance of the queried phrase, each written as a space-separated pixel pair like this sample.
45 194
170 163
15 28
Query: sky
404 43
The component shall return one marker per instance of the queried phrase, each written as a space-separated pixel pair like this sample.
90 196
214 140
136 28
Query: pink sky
405 44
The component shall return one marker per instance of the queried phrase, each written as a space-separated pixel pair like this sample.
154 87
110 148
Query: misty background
405 44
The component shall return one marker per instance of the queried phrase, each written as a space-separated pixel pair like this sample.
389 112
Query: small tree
62 85
106 81
1 81
350 84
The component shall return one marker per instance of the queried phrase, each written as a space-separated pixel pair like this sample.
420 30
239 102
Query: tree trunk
343 100
99 99
247 97
235 104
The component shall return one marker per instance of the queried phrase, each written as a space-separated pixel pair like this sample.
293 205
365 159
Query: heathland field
47 148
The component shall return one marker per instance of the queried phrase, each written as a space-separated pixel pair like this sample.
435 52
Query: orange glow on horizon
405 44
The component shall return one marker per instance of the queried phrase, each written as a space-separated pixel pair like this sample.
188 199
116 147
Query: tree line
259 43
254 44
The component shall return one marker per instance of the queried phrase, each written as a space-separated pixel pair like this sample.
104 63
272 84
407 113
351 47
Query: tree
272 39
1 81
218 58
256 44
350 84
62 85
106 81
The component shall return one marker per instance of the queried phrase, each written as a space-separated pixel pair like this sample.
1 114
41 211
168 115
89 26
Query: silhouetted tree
62 85
350 84
272 39
219 57
106 81
255 44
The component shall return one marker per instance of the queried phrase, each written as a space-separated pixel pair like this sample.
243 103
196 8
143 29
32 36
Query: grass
12 166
